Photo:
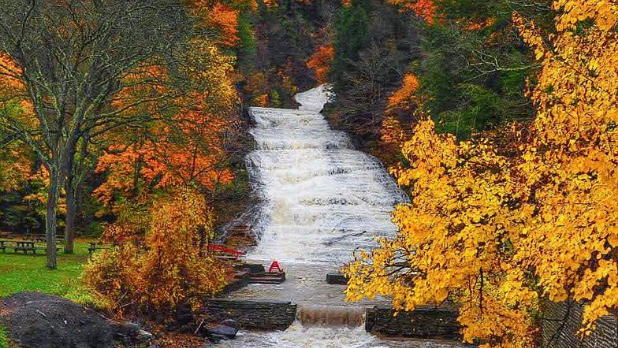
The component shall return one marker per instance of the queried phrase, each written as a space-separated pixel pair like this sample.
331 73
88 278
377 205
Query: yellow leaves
603 12
612 239
497 233
531 35
169 267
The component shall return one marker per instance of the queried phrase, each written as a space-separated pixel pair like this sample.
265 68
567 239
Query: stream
322 200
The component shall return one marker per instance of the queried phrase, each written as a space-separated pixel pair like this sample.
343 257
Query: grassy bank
20 272
4 340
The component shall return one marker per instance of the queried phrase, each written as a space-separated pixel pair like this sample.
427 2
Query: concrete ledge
266 315
420 323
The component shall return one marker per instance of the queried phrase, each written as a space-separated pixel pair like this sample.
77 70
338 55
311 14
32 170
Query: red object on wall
226 250
275 267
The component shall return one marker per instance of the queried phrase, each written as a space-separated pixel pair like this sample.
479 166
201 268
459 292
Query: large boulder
36 320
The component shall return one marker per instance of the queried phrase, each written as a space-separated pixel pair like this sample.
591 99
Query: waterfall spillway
331 316
323 199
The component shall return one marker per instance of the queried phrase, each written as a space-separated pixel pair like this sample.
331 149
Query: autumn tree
499 226
571 239
71 57
396 127
368 67
187 144
320 62
165 267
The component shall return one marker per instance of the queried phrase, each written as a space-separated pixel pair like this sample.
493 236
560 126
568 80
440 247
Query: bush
165 268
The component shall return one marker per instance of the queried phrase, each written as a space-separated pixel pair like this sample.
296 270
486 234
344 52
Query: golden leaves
496 233
167 266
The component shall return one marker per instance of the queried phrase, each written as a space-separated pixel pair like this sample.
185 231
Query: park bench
94 246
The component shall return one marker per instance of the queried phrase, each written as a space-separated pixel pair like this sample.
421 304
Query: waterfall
331 316
323 199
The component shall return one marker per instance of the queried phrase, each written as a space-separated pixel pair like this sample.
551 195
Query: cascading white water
323 199
298 336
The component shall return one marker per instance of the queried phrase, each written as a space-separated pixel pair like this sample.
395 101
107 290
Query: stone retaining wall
264 315
561 333
420 323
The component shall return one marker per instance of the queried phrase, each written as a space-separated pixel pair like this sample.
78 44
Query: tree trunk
69 229
51 218
74 176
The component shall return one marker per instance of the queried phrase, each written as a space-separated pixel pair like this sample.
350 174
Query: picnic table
24 246
94 246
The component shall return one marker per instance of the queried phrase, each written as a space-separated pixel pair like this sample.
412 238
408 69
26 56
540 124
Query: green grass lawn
4 340
20 272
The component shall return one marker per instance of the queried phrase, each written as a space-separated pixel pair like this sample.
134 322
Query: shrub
167 267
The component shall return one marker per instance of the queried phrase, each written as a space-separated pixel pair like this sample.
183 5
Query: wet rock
253 268
231 323
241 280
144 336
220 331
183 320
336 278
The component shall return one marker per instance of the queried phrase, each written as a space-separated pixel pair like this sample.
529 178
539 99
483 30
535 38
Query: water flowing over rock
323 199
331 316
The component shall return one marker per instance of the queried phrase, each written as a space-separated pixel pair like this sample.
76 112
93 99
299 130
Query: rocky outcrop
36 320
421 323
253 314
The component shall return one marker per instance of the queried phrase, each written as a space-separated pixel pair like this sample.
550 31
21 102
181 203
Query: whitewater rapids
322 198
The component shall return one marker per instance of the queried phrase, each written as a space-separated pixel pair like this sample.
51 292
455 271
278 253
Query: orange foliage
220 15
178 150
12 88
425 9
392 135
8 73
479 25
226 20
165 268
167 158
15 167
397 123
404 97
320 62
261 100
